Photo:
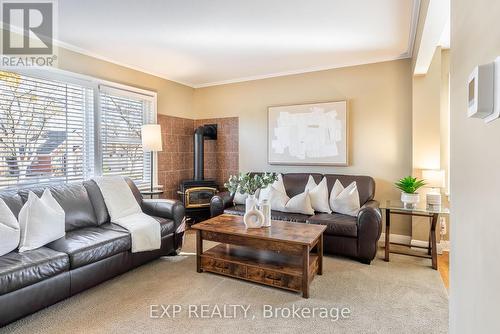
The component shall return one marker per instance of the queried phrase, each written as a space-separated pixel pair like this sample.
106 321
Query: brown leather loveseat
354 237
93 250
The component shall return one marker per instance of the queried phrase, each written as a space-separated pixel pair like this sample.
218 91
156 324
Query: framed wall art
309 134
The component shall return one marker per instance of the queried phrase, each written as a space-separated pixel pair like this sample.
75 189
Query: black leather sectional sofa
92 251
354 237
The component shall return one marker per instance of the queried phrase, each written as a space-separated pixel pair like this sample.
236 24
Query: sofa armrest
369 230
220 202
165 208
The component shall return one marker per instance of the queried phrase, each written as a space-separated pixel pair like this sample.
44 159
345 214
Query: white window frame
97 85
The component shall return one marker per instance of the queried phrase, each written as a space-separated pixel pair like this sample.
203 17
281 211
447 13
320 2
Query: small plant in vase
409 186
245 183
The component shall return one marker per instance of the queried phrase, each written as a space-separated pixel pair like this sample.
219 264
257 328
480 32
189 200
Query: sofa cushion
95 196
275 215
295 183
91 244
13 200
97 200
336 224
167 226
75 201
18 270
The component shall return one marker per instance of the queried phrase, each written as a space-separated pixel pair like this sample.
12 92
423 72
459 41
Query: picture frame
309 134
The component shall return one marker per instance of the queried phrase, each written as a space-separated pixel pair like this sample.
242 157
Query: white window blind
46 131
54 128
122 115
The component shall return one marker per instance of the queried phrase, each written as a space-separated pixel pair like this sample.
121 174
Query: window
50 132
43 131
122 115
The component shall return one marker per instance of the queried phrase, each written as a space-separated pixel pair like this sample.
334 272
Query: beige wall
379 98
445 116
426 117
475 177
173 99
430 129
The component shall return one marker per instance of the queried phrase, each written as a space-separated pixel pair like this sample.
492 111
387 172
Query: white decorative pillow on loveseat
240 198
42 220
345 200
277 185
300 203
319 195
9 229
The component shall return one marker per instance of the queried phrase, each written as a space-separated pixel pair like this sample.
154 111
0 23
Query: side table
398 208
151 194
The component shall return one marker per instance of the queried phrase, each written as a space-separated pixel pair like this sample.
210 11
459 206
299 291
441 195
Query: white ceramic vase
410 200
250 202
253 218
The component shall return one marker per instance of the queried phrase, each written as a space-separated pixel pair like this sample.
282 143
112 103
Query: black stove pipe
198 153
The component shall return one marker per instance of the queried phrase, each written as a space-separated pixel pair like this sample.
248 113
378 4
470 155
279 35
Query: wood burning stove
197 192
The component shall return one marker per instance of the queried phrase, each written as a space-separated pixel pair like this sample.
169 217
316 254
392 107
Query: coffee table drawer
219 266
224 267
274 278
288 281
260 275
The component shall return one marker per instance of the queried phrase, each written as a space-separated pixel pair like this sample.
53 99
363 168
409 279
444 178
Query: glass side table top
421 207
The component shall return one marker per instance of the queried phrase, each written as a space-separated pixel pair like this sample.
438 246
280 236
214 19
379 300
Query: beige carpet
403 296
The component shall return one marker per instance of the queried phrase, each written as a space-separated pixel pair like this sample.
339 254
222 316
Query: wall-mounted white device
496 94
483 91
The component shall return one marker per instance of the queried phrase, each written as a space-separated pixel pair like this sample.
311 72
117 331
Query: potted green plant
245 183
409 186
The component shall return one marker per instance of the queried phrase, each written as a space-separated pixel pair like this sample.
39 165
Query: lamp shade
433 178
151 138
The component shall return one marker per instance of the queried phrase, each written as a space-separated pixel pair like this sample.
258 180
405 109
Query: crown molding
299 71
413 28
86 52
407 54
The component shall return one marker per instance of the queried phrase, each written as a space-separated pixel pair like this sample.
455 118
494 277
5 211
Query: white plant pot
250 202
410 200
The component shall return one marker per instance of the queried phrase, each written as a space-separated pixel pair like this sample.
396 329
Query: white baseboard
396 238
444 245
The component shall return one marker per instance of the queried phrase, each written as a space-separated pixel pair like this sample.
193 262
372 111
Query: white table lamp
435 180
151 142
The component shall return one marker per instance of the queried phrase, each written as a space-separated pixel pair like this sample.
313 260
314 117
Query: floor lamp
151 142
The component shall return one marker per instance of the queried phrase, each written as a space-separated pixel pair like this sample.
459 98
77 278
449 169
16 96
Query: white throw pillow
122 203
42 220
278 185
345 200
277 199
300 203
319 195
9 230
241 198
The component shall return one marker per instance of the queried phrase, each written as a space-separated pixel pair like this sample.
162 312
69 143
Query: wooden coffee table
285 255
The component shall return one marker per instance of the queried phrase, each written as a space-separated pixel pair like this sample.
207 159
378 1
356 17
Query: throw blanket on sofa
126 212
